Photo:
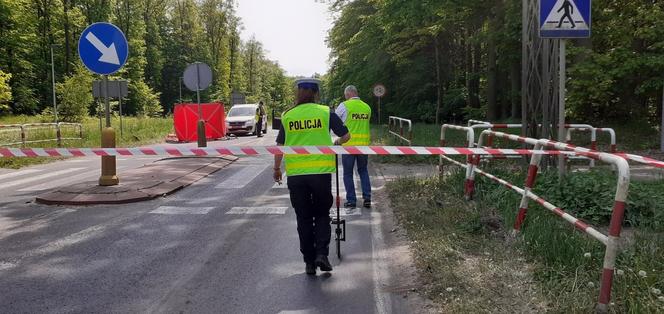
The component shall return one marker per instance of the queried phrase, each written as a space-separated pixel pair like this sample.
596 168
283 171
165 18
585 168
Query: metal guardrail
609 240
396 127
25 130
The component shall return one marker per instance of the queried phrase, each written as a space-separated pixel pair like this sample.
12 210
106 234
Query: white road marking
78 160
18 173
64 181
40 177
346 211
257 211
241 178
174 210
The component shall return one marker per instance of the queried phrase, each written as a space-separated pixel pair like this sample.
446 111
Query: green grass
629 137
136 131
447 228
447 232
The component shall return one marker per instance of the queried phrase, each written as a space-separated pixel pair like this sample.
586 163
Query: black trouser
311 197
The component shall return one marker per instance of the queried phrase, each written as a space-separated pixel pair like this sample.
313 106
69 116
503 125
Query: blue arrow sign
103 48
565 18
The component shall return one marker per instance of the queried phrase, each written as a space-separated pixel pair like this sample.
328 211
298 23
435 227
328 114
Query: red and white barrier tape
269 150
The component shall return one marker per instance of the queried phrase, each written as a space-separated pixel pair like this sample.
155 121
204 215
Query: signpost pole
379 111
120 106
202 140
108 166
561 105
55 106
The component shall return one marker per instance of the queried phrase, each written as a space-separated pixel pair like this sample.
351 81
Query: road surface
227 244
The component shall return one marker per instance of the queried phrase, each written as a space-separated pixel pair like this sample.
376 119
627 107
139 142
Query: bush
5 92
74 96
144 99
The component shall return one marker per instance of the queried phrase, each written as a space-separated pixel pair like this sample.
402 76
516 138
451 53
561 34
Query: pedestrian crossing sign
565 18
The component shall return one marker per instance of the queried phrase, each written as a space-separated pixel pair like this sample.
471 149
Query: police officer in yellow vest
310 176
356 115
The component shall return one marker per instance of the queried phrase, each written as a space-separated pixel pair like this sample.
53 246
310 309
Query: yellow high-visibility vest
357 121
308 125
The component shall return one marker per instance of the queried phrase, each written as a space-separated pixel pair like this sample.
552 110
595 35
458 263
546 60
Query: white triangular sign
565 16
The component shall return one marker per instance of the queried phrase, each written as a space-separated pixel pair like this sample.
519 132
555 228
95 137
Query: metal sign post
379 91
116 89
561 104
563 19
197 77
103 49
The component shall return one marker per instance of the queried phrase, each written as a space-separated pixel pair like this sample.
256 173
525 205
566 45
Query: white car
241 119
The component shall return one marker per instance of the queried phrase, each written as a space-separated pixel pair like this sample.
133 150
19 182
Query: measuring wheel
340 233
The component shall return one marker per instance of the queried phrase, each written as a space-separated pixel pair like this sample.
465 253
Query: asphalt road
227 244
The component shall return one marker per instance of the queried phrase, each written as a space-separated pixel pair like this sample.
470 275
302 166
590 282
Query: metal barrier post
469 184
58 134
22 135
529 184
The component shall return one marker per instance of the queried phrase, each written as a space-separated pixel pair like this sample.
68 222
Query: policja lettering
360 116
302 125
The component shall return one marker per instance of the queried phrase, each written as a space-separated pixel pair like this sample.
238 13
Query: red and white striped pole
529 184
469 184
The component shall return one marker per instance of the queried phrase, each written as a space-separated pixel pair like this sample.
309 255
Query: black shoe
367 204
323 263
310 269
349 205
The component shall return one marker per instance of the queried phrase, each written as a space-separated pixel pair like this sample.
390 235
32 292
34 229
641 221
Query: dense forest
448 59
164 36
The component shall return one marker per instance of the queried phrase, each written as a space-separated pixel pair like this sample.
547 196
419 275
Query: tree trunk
515 95
68 54
474 91
492 105
469 65
439 84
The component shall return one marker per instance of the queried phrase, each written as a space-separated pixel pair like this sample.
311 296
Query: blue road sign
565 18
103 48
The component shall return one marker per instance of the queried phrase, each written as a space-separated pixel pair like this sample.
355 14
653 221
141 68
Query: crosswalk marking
64 181
257 211
241 178
18 173
40 177
346 211
175 210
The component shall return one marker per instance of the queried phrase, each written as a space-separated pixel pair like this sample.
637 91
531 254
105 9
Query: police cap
308 83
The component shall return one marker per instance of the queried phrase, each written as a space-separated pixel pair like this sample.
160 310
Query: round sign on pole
103 48
197 76
379 90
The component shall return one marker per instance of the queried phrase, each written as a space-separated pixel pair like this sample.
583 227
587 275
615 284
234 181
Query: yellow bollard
108 169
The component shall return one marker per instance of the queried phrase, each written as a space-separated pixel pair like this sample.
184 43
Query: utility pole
561 105
55 106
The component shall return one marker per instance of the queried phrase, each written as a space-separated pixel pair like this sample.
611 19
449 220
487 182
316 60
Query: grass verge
136 131
464 246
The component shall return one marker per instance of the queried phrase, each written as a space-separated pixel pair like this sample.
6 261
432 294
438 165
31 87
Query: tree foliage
73 101
5 91
164 37
444 59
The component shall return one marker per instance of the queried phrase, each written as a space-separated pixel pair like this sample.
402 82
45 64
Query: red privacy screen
185 118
